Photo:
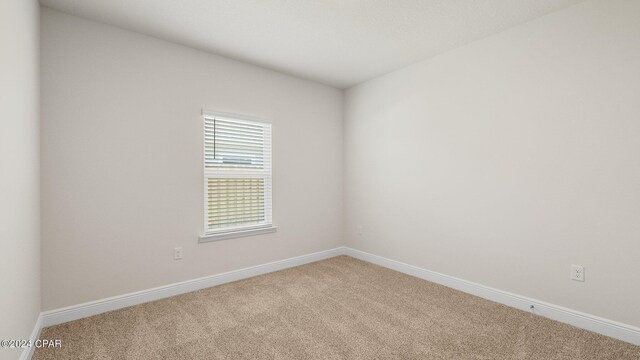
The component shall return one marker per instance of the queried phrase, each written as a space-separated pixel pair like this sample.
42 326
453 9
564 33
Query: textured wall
19 171
122 161
507 160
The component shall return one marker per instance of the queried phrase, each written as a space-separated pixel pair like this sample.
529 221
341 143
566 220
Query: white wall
507 160
122 161
19 171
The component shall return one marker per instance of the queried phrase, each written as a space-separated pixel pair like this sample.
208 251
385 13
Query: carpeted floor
340 308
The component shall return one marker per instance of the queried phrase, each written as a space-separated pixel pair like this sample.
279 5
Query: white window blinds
237 170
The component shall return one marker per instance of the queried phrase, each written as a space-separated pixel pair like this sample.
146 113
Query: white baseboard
75 312
596 324
27 352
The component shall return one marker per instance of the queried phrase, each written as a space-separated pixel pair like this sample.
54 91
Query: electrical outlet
177 253
577 272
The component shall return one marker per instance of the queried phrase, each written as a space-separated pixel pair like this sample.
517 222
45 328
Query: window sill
236 234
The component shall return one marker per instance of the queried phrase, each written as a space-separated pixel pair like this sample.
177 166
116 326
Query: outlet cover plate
577 272
177 253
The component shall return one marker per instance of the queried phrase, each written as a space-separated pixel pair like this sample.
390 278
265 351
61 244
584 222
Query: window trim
209 113
241 231
236 233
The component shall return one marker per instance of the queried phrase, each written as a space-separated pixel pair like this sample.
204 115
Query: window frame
209 235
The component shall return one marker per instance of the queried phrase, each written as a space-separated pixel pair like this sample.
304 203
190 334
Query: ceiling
336 42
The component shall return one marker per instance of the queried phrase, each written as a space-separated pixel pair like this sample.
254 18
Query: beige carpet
340 308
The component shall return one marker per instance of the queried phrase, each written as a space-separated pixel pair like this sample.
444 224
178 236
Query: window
237 176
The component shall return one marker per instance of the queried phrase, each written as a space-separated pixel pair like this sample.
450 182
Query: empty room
320 179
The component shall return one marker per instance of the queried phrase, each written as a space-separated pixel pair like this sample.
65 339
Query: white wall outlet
177 253
577 272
